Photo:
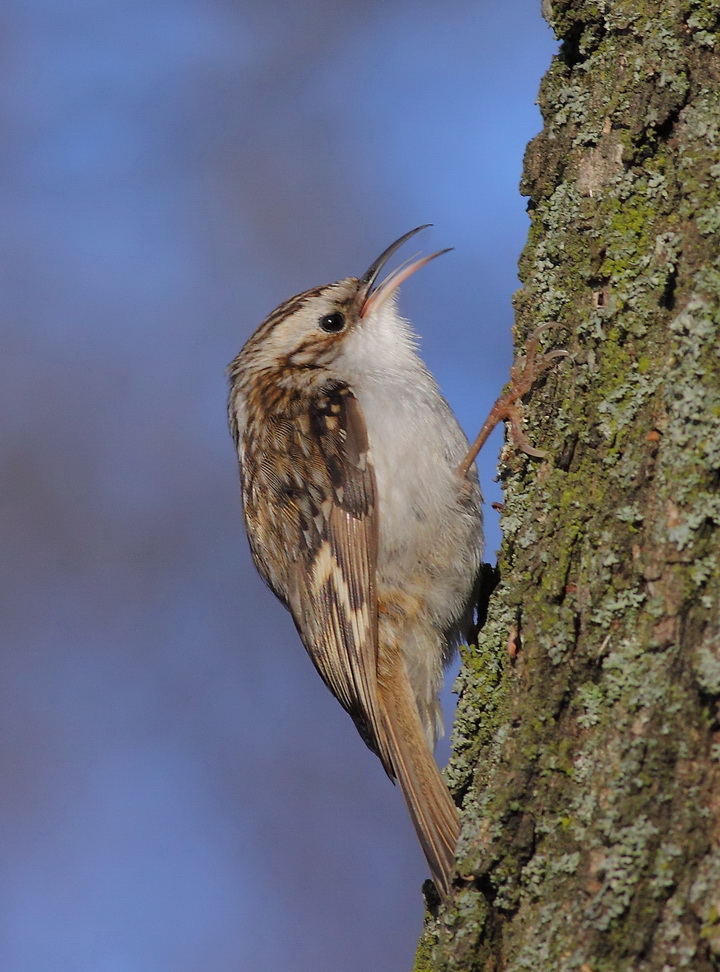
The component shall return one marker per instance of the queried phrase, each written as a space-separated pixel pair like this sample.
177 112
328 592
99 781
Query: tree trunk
587 742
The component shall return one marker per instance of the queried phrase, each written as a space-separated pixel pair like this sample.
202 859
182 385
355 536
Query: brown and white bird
361 519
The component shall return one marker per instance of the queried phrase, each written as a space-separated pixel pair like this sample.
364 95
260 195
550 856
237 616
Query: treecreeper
363 511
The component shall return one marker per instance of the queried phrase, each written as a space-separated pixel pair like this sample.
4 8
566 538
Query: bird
363 512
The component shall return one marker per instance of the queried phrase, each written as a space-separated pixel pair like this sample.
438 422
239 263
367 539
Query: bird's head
351 324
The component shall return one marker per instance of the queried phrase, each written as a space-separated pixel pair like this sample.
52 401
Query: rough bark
587 742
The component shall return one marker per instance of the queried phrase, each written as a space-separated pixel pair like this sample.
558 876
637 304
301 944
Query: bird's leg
523 375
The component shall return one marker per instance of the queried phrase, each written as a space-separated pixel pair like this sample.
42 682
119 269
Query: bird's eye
332 323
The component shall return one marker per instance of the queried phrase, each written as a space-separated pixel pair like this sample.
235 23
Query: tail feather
433 813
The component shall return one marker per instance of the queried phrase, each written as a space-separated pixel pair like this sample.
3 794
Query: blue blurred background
180 792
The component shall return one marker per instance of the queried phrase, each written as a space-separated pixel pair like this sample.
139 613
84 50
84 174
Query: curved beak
373 299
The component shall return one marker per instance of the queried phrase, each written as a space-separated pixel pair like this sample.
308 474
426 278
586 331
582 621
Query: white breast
415 439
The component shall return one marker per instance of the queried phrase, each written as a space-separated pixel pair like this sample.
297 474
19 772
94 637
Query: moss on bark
587 742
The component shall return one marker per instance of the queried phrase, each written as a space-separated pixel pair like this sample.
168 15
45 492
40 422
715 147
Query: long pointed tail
433 813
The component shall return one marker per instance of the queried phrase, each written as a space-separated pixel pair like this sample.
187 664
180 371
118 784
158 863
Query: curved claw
523 375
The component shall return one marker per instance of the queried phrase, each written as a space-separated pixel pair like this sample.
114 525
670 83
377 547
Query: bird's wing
331 587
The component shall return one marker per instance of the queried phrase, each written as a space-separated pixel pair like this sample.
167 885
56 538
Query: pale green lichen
586 711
